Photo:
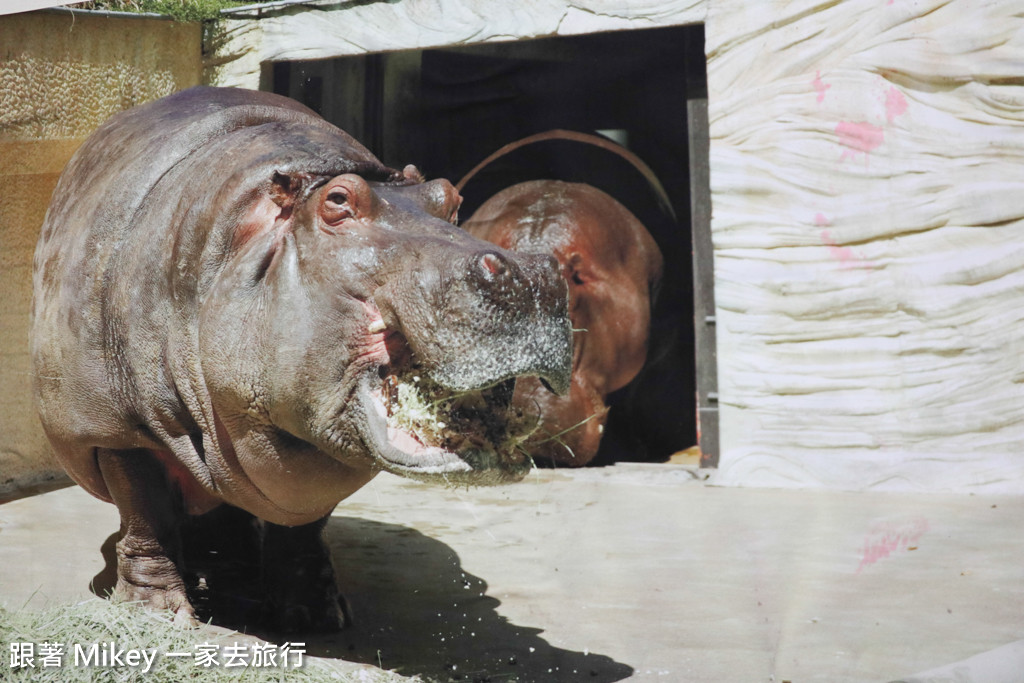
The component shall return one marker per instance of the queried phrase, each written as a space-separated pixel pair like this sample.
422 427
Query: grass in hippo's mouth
482 420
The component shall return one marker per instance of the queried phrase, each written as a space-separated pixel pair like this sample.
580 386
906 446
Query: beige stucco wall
60 77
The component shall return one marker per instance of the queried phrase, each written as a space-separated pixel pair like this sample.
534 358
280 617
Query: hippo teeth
390 395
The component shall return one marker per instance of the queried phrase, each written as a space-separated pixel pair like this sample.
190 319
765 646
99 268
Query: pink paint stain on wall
858 138
820 86
887 538
844 255
895 104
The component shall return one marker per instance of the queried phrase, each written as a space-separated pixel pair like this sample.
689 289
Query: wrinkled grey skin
221 282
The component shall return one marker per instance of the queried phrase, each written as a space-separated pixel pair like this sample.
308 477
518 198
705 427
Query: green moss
181 10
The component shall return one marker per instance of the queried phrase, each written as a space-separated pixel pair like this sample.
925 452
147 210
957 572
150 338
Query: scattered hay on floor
93 641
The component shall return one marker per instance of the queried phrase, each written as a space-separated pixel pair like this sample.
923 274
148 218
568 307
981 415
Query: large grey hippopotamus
236 303
613 268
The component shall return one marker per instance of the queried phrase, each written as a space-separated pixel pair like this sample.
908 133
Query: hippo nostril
493 264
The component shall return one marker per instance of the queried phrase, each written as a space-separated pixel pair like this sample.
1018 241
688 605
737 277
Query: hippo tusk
376 326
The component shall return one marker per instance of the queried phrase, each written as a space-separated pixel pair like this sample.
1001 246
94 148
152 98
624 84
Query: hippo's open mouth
419 427
443 409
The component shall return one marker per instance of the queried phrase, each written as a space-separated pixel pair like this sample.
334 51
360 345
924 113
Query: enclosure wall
61 75
867 160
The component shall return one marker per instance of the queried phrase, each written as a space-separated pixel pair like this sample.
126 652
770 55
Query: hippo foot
301 596
298 579
153 580
325 617
245 573
150 516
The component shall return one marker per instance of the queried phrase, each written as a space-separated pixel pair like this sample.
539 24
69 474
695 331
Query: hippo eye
336 207
337 201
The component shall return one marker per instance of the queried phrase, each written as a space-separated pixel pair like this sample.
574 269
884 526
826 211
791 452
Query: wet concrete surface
638 572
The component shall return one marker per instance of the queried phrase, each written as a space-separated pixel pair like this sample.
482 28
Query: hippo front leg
150 519
298 580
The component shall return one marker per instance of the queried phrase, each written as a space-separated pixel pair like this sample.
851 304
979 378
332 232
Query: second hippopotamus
613 268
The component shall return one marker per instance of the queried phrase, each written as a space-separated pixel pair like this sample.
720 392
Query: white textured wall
301 33
867 170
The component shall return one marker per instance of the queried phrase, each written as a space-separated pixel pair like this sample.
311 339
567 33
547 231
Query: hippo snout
493 269
489 316
460 329
496 268
492 265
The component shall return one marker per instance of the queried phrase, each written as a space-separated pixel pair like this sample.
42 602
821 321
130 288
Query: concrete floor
636 572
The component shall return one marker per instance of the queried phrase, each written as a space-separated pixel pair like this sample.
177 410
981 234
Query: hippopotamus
613 267
236 304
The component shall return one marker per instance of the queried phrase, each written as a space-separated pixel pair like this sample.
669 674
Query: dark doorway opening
446 109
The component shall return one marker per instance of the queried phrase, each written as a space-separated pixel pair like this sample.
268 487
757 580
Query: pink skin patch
405 442
400 439
895 104
887 538
858 138
821 221
372 347
820 86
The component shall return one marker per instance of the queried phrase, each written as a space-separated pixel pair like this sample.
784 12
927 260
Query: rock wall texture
61 75
867 172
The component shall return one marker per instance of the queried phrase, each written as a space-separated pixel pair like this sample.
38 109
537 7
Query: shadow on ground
415 611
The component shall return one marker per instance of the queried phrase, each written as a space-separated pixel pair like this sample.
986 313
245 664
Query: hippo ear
271 208
286 188
575 269
413 175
